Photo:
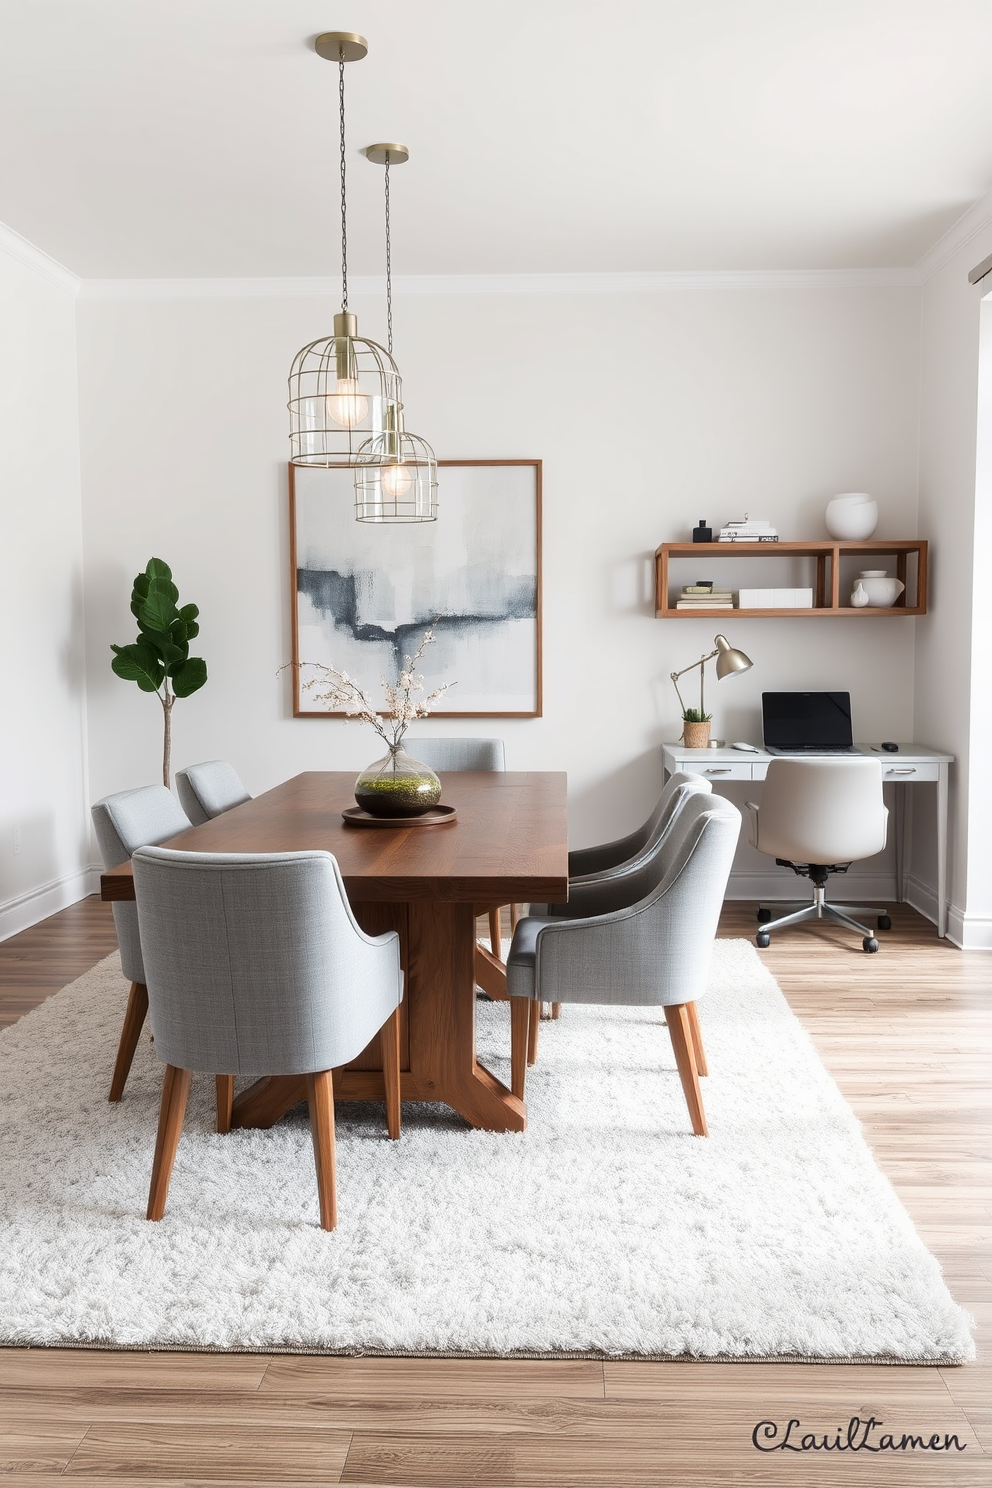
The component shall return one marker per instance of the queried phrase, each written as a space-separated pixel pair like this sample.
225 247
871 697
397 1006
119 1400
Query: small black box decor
702 533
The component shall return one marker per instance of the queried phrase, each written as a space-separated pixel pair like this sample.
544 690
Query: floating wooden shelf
826 588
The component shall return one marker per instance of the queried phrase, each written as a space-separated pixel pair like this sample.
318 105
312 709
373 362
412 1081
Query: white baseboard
773 888
28 909
970 932
921 896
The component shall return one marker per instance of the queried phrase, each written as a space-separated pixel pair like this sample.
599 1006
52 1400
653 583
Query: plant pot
696 735
397 785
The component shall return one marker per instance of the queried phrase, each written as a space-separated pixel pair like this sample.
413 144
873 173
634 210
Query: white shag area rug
607 1229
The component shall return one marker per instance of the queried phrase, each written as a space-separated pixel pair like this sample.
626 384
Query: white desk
915 764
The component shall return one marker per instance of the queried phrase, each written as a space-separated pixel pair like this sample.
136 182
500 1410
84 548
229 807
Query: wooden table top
508 843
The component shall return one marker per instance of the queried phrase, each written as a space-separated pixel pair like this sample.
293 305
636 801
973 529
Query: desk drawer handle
907 770
713 771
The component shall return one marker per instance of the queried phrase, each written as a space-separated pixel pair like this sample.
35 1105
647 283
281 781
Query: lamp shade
729 660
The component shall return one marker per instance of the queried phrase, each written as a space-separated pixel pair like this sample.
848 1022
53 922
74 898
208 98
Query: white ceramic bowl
851 517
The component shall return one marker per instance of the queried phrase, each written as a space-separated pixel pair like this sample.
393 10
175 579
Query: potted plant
159 660
696 728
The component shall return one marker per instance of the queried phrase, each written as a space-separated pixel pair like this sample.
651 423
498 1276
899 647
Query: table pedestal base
437 1062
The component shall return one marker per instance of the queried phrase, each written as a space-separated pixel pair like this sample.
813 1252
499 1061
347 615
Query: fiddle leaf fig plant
159 660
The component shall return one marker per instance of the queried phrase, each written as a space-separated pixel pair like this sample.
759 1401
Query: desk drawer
717 772
929 770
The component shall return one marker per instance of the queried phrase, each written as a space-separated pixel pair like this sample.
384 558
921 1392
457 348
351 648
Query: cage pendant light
343 389
396 472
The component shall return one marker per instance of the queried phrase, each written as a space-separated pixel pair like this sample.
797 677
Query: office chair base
818 910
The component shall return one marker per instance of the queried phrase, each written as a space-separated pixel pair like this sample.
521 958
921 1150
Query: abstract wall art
364 593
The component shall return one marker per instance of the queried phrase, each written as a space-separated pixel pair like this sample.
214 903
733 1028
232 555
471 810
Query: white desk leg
942 851
900 824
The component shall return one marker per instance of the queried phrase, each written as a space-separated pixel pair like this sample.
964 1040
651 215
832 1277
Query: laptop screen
806 720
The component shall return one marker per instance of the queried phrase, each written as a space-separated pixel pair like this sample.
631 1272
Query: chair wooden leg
556 1010
515 915
225 1102
677 1018
495 934
389 1036
175 1090
134 1018
533 1031
697 1040
520 1022
320 1099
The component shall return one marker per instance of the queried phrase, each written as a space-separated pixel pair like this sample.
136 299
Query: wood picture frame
362 594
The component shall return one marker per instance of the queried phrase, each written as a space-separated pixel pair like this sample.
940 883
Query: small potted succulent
696 728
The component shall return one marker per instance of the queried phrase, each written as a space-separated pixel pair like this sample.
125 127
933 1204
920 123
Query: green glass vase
397 785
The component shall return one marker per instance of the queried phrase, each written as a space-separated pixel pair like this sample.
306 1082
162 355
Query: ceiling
197 138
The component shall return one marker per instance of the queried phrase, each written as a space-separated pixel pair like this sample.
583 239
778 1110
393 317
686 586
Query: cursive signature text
859 1436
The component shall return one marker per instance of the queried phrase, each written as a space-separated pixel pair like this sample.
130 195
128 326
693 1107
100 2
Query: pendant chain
389 271
344 204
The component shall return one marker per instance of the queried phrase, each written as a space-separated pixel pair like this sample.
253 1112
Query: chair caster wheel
870 944
884 923
764 940
764 915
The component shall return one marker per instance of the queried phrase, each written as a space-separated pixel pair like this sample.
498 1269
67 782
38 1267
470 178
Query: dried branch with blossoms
403 705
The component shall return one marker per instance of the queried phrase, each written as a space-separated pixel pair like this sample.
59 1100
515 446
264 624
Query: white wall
649 411
951 707
44 833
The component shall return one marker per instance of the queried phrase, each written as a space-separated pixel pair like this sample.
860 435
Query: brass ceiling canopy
341 46
387 154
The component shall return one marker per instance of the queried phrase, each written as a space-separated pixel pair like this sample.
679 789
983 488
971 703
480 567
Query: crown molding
500 284
968 226
26 253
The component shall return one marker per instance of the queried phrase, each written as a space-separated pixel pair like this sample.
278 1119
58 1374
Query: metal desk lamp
729 662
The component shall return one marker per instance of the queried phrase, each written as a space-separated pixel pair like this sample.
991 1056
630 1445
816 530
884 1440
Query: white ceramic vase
851 517
882 591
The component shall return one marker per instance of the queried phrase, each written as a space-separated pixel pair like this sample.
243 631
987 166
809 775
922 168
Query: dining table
505 842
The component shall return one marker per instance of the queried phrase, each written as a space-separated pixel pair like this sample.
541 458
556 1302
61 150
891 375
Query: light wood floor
906 1034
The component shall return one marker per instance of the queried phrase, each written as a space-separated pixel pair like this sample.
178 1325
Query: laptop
807 722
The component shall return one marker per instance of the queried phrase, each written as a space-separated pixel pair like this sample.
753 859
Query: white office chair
817 816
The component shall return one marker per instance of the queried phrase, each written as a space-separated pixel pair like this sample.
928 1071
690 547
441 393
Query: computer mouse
748 748
889 747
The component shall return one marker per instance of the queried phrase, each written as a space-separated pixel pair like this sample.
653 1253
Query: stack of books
705 597
749 530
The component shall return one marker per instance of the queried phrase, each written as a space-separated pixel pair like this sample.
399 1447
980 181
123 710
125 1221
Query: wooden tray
354 816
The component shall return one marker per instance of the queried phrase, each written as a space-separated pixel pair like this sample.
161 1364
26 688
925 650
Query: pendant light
342 389
396 478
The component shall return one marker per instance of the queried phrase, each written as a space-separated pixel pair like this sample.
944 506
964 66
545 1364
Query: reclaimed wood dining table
506 843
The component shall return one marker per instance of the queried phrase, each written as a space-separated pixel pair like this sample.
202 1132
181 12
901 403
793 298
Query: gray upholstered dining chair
124 822
653 953
209 789
270 975
446 755
618 881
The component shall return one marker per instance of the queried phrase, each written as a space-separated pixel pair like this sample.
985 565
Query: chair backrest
675 787
456 754
126 821
821 810
210 789
255 964
656 951
627 882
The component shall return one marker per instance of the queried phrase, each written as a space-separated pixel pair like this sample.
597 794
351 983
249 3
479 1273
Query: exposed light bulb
395 479
346 405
